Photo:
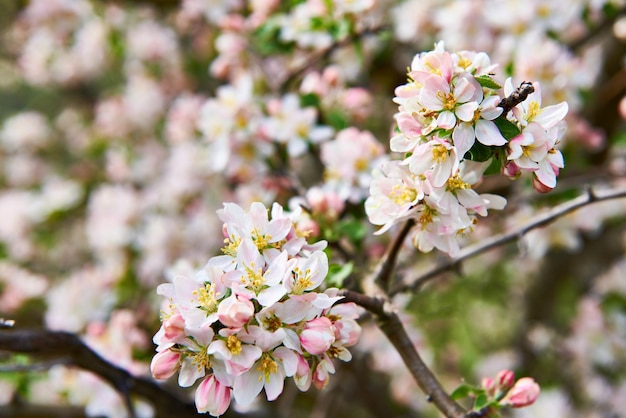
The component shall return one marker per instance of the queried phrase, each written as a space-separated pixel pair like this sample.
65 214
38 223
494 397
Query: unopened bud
506 379
525 392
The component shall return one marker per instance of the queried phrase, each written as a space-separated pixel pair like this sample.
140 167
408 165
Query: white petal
488 133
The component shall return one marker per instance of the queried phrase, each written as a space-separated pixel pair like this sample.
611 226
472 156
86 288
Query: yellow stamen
231 245
267 366
455 183
302 280
201 360
233 344
207 299
401 194
440 153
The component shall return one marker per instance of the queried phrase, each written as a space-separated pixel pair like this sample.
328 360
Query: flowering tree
262 188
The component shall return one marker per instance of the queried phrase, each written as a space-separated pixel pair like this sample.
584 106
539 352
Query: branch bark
501 239
392 327
68 348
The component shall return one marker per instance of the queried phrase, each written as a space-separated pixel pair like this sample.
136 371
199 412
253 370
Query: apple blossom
253 316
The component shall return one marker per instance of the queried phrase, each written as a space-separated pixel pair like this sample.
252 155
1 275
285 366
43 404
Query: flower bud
235 311
539 186
164 364
318 335
506 379
525 392
489 385
212 396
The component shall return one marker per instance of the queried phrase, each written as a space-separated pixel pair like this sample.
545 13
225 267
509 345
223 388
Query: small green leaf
479 152
462 391
352 229
309 99
337 119
487 82
494 167
481 401
337 274
507 128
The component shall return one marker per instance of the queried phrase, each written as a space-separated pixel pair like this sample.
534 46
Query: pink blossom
268 372
318 336
525 392
212 396
164 364
506 379
235 311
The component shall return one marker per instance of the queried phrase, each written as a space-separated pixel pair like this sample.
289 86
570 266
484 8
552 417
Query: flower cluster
451 130
506 391
502 392
254 315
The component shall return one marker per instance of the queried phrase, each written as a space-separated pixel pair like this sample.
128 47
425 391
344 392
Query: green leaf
341 29
487 82
480 153
494 167
337 274
507 128
337 119
463 391
352 229
481 401
309 99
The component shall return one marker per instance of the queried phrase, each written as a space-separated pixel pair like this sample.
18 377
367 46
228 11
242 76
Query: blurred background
124 126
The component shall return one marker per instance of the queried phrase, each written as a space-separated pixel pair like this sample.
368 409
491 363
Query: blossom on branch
451 131
254 315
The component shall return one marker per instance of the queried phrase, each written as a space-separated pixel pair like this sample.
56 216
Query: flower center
233 344
440 153
201 360
401 194
533 110
206 298
302 280
455 183
230 246
267 366
254 279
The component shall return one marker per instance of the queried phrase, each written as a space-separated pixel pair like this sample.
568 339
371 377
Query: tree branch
392 327
518 96
70 349
498 240
384 269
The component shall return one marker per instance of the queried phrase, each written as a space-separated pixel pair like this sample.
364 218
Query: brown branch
392 327
498 240
517 97
606 23
294 73
384 269
69 348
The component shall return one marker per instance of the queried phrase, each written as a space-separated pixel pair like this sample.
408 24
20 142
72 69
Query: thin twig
487 244
69 348
517 97
392 327
603 25
384 269
294 73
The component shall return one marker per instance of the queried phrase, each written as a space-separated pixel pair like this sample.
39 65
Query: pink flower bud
506 379
212 396
511 170
234 311
174 328
539 186
164 364
525 392
489 385
318 335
